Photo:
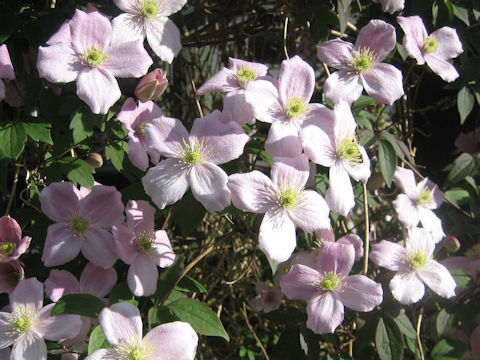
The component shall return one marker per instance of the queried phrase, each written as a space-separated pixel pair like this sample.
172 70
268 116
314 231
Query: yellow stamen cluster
417 259
245 75
363 60
141 129
287 198
144 241
349 151
329 281
94 57
132 350
78 225
295 107
149 9
8 248
430 45
425 197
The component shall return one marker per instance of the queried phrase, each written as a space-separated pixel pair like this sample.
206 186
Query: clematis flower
328 288
192 160
12 244
392 6
10 274
236 81
6 69
122 325
414 266
134 118
286 106
83 52
285 203
149 18
334 145
142 248
268 298
29 323
352 239
416 202
435 49
360 65
82 218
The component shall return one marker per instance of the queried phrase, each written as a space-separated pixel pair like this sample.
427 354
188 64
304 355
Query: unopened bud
95 160
151 86
451 244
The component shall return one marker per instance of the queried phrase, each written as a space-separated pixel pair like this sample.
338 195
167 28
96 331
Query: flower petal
59 201
209 186
437 278
60 246
283 139
56 327
296 79
140 216
103 206
415 34
89 30
339 195
335 257
325 313
392 6
99 248
449 45
419 239
389 255
174 340
29 347
142 276
311 214
383 82
60 283
103 354
354 240
163 37
300 282
121 321
432 223
405 179
336 53
277 236
441 67
223 81
318 145
290 172
128 27
263 96
97 281
252 191
407 210
165 136
127 247
406 288
129 6
377 36
58 63
236 108
6 67
360 293
28 293
137 154
98 88
343 85
127 59
163 249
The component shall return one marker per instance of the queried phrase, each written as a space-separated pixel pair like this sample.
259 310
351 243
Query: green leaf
461 13
97 340
188 214
288 345
203 320
79 304
39 131
388 160
448 349
458 196
116 153
83 124
392 139
12 140
444 323
367 138
462 278
311 343
464 165
78 171
175 295
189 284
465 102
121 292
404 324
166 281
363 101
389 340
401 50
160 315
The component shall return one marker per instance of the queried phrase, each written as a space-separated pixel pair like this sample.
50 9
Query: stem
419 342
12 192
367 230
285 29
252 330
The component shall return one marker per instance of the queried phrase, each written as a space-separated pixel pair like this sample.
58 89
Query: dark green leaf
444 323
77 171
117 153
392 139
404 324
12 140
175 295
188 214
458 196
464 165
97 340
39 131
80 304
203 320
189 284
83 124
288 345
289 316
462 278
461 13
367 138
448 349
311 343
121 292
166 281
465 102
388 160
389 340
160 315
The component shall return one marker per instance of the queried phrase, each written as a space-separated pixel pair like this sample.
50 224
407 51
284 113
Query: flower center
141 129
79 225
363 60
425 197
295 107
149 9
145 241
329 281
13 278
350 151
430 45
135 350
94 56
8 248
287 198
417 260
22 319
245 75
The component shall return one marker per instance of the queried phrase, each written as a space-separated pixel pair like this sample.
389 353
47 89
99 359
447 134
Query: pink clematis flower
360 67
29 323
192 159
352 239
83 52
82 218
286 105
12 244
149 18
10 274
435 49
416 202
334 144
6 69
268 298
414 266
391 6
122 325
285 203
142 248
328 288
134 118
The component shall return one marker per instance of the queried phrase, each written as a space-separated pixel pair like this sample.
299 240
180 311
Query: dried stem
419 342
250 327
285 30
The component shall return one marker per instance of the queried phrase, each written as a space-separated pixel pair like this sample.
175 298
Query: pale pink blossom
122 325
28 324
6 69
83 220
392 6
360 65
284 201
352 239
143 248
82 51
10 274
334 144
192 159
149 18
435 49
414 266
268 298
151 86
417 201
328 289
134 118
12 244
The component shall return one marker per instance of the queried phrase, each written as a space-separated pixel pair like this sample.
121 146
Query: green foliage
79 304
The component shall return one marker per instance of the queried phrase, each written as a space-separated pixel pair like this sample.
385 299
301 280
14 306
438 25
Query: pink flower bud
151 86
95 160
451 244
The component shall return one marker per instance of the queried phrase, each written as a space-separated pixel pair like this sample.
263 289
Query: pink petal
5 340
296 79
7 271
290 172
300 282
99 247
311 213
325 313
318 145
360 293
238 64
415 34
383 82
419 239
163 37
174 340
61 245
392 6
142 276
121 322
223 81
127 59
128 27
10 231
388 255
335 257
28 293
56 327
325 235
89 30
236 108
432 223
406 288
336 53
29 347
97 281
441 67
59 201
263 96
470 264
6 67
103 206
449 45
405 179
137 154
345 125
209 186
60 283
407 210
252 192
377 36
357 243
343 85
339 195
62 35
140 216
277 238
437 278
98 88
103 354
58 63
2 90
129 6
165 136
283 139
166 182
163 249
127 246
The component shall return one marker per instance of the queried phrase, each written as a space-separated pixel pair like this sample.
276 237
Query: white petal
120 322
56 327
163 37
209 186
407 288
311 213
277 235
339 195
29 348
437 278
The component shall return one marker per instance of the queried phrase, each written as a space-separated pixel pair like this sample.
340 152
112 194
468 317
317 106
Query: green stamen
425 197
287 198
149 9
417 260
22 319
141 129
245 75
145 242
430 45
132 351
350 151
295 107
79 225
363 60
329 281
191 156
94 57
8 248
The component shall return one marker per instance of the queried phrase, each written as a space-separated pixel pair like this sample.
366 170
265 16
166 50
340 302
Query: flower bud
95 160
151 86
451 244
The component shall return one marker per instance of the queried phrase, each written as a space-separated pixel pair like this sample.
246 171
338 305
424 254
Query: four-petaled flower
12 244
